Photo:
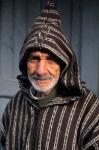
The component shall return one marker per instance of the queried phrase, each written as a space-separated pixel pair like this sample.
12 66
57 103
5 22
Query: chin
48 86
43 88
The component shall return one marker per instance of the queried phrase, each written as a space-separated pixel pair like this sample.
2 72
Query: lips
42 78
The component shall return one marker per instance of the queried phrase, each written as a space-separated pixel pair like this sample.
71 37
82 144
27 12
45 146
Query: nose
41 68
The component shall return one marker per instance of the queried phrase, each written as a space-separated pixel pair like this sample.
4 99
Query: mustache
44 77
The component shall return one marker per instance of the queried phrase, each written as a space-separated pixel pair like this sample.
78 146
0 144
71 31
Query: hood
47 34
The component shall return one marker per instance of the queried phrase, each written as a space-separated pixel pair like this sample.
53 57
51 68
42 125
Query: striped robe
66 123
61 125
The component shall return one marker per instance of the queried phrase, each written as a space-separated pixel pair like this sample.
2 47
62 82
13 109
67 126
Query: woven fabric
60 126
66 122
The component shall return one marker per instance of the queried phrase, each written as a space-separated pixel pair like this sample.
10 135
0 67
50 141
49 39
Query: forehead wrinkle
40 54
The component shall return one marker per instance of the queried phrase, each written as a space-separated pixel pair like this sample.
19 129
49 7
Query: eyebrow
37 55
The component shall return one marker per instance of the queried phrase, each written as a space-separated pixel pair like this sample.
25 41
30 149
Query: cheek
54 70
31 68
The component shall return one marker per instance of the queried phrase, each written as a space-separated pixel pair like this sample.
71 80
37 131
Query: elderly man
53 109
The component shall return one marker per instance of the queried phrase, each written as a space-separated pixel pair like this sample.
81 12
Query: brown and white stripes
72 126
69 122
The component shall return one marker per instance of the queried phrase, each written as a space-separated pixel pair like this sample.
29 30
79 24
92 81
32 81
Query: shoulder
17 98
89 103
90 97
90 107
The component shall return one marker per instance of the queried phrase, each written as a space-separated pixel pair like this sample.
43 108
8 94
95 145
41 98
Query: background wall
80 20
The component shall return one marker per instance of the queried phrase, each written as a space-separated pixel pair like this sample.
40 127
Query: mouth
43 78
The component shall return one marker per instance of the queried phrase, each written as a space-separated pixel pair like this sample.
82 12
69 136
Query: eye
49 58
52 60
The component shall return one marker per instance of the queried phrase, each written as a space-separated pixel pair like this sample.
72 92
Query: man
53 109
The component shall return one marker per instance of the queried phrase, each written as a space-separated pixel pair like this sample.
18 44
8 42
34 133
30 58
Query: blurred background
80 21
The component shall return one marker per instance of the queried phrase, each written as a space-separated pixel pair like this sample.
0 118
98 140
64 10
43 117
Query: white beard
45 88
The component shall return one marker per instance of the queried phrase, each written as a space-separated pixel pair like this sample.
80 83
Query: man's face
43 71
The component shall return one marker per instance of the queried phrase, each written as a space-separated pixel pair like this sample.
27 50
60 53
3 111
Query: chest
51 128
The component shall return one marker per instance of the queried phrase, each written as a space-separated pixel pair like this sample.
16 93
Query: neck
39 94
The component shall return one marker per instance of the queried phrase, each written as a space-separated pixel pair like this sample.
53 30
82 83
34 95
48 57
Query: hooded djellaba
66 119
